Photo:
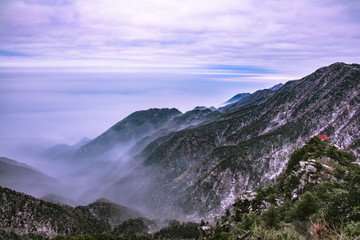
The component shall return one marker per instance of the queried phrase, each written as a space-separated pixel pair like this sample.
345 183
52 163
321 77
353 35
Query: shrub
337 204
137 226
321 230
271 217
175 229
353 229
305 207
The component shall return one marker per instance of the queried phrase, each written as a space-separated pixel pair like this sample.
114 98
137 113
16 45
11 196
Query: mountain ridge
193 164
22 177
25 214
262 123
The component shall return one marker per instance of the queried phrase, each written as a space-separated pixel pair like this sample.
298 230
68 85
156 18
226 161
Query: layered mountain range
24 214
22 177
194 164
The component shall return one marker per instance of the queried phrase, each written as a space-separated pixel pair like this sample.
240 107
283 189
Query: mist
109 166
41 109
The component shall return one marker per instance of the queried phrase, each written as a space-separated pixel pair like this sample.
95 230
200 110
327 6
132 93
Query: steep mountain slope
247 99
142 127
113 213
24 214
113 161
22 177
201 169
232 102
55 198
212 108
237 98
276 87
254 99
124 133
315 197
63 151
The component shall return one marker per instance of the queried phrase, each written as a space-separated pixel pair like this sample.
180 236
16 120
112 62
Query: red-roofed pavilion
323 137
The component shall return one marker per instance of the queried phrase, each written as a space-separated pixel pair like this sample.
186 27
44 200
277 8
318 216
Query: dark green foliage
314 147
340 172
337 206
271 217
102 236
59 237
177 230
344 158
13 236
81 237
322 188
248 221
318 166
137 226
8 235
105 236
134 237
305 207
259 198
112 212
291 182
295 158
37 213
241 207
353 229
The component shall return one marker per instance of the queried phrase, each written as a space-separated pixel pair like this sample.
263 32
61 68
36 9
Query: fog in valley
109 166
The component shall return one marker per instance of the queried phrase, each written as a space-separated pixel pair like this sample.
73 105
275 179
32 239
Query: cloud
151 33
62 107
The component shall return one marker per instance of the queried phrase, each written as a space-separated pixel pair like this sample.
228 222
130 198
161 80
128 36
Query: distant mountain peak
103 200
237 98
201 108
83 141
276 87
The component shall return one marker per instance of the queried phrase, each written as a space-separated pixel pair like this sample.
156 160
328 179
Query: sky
73 68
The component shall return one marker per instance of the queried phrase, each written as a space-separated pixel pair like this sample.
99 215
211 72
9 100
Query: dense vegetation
25 217
132 229
316 197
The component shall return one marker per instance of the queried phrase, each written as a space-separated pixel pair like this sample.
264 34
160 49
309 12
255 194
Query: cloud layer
177 34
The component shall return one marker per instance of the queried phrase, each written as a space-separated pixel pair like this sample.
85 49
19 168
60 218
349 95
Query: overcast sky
73 68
